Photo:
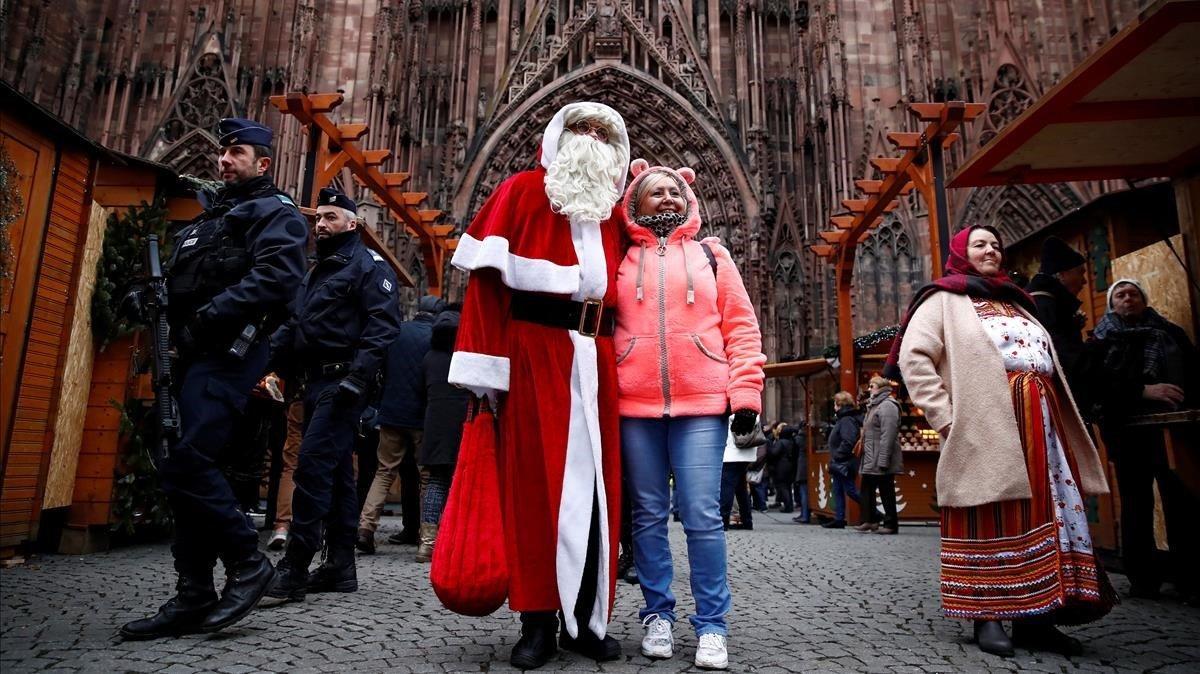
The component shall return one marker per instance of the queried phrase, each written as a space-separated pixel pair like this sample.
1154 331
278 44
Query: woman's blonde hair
843 399
881 381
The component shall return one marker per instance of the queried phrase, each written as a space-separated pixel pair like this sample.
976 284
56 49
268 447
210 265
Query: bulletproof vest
209 256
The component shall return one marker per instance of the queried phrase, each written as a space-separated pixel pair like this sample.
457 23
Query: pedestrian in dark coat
800 483
781 462
1055 289
401 418
843 466
445 413
881 458
1150 367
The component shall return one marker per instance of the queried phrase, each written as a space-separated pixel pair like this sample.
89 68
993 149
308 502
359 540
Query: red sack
470 570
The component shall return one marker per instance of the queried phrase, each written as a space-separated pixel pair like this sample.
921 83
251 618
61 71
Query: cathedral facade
777 104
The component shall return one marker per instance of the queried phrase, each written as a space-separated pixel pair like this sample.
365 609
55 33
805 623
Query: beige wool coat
955 374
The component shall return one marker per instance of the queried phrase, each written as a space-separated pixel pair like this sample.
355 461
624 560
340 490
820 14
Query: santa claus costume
536 339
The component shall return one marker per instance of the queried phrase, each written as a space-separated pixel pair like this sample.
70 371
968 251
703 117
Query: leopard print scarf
662 224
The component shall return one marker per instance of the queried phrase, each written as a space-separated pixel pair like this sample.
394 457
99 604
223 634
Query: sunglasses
586 128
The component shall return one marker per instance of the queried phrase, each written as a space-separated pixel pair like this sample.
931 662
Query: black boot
588 644
194 598
536 645
291 581
245 583
365 541
990 636
336 574
1043 636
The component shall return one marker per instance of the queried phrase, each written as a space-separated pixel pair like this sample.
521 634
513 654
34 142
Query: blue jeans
692 448
758 493
842 487
801 491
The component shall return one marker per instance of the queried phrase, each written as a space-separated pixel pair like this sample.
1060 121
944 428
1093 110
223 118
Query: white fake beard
582 179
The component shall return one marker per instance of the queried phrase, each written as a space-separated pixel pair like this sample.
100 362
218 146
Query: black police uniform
345 316
235 265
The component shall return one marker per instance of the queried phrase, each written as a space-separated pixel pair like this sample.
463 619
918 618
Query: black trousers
587 586
326 493
886 484
208 522
1141 460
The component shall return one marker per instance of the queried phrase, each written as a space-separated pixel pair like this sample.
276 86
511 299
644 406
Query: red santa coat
559 435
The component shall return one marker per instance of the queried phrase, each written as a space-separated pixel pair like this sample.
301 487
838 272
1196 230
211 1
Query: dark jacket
445 405
401 404
1122 371
1058 312
842 438
801 440
239 262
345 310
881 442
781 458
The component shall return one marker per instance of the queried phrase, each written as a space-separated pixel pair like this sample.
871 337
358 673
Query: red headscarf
961 278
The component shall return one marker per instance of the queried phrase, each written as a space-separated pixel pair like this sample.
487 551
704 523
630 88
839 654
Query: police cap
332 197
238 131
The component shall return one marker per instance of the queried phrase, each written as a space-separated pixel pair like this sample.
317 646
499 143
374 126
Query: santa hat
573 112
1133 282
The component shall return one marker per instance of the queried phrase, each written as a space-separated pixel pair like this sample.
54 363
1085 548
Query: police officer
230 276
345 315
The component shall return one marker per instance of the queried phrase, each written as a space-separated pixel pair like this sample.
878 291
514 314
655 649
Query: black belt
589 317
321 370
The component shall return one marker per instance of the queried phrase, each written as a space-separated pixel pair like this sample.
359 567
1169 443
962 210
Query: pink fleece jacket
687 340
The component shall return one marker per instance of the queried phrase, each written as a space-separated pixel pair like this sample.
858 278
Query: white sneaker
278 539
711 652
658 642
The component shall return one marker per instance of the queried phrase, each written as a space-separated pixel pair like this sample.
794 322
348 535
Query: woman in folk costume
689 351
536 340
1015 460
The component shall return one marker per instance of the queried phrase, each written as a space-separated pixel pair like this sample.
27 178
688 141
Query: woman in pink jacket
689 351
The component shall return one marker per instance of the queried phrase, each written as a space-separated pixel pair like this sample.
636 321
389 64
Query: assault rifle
165 406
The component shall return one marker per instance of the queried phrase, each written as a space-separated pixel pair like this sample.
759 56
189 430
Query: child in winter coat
689 351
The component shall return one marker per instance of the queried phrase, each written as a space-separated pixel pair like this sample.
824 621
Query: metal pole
939 197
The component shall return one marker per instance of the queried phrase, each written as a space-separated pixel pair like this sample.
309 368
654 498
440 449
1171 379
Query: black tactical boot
588 644
245 583
291 579
990 636
536 645
194 598
335 574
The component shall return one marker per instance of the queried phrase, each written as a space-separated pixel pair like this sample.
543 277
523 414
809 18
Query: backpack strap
712 259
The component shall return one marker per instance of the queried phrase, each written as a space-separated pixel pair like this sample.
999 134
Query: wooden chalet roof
1131 110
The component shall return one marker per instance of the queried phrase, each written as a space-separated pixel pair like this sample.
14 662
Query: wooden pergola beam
339 149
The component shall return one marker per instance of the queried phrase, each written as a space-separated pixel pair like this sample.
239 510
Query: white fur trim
555 128
583 474
517 272
480 373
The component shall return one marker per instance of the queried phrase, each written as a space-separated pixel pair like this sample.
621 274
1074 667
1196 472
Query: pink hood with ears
687 337
641 170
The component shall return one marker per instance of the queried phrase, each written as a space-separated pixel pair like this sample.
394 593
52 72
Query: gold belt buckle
594 309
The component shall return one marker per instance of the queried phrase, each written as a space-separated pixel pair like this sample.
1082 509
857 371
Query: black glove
195 333
350 390
743 422
133 306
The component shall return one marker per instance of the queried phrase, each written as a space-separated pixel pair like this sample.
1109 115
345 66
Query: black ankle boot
336 574
536 645
990 636
245 583
1044 636
588 644
194 598
291 579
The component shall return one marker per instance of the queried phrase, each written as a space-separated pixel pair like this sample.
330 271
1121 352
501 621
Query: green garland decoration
11 207
121 267
864 342
140 507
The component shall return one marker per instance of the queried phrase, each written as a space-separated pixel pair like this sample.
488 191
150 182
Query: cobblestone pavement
805 599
